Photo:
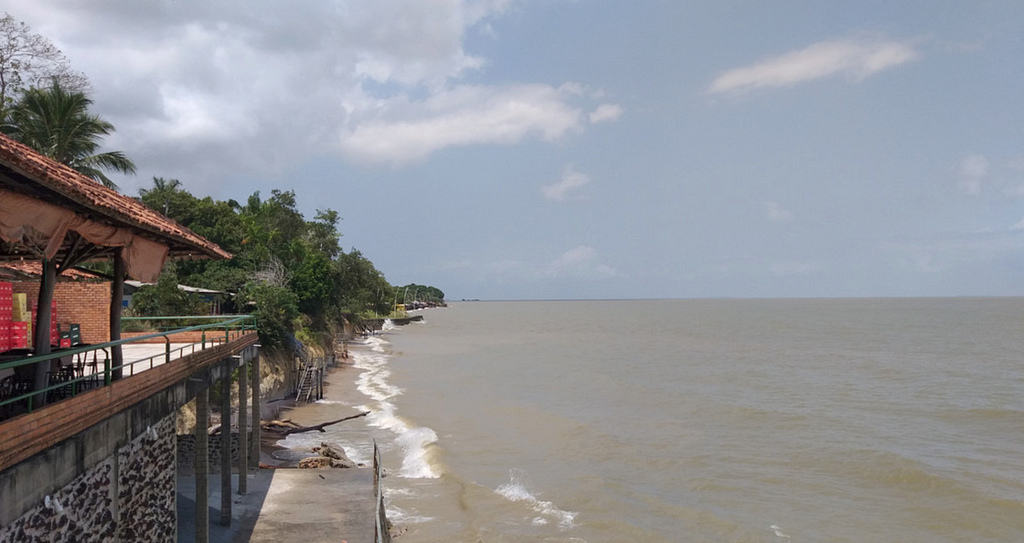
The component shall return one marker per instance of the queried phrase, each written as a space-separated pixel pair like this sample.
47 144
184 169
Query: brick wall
78 302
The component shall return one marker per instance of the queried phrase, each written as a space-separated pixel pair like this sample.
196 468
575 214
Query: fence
72 372
381 532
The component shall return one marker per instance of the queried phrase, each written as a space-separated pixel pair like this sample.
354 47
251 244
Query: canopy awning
50 211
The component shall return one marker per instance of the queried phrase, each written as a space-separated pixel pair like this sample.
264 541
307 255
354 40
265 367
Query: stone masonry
143 479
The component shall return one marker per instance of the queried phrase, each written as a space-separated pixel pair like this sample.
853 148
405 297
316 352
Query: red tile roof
99 202
33 269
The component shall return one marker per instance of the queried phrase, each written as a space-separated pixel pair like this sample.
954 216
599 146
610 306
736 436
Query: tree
56 122
30 60
162 188
322 233
165 298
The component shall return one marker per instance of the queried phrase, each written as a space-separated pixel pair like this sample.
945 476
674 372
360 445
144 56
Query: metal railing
381 532
71 379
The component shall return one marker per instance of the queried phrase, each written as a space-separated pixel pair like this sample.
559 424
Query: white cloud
571 180
776 213
854 58
606 112
199 91
402 130
973 169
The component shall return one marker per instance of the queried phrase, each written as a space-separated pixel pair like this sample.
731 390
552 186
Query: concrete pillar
202 461
225 445
254 458
243 422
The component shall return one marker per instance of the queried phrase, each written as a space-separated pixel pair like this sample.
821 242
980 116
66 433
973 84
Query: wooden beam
41 332
116 299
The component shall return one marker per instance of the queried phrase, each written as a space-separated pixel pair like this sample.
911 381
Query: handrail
237 324
381 534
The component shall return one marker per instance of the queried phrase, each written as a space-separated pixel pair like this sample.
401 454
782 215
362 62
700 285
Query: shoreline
306 414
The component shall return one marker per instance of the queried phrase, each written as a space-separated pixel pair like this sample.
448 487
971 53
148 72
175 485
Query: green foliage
312 283
275 307
421 293
165 298
362 287
290 272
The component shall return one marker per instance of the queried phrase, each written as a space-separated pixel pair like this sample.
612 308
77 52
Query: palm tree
164 187
56 122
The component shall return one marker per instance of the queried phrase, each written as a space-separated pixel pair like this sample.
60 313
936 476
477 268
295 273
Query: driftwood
287 427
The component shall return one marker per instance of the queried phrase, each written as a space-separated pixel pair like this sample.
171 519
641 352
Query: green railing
72 372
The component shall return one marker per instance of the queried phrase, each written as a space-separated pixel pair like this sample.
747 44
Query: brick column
202 462
243 423
225 445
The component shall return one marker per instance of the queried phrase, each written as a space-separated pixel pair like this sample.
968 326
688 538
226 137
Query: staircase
309 368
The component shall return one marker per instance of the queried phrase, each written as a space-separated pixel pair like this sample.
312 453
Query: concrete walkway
309 505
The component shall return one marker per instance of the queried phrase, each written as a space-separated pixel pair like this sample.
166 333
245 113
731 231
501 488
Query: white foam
387 326
331 402
373 380
516 491
391 492
399 516
414 441
779 532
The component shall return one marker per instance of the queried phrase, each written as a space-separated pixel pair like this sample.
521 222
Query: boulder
315 462
335 452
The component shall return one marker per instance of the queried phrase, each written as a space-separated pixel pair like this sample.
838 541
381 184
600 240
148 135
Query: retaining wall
129 496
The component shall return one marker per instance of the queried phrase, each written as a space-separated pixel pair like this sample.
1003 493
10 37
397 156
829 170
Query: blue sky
518 149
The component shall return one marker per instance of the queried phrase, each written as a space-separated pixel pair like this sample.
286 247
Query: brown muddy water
710 420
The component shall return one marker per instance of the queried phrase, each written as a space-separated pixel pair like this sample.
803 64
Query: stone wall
141 479
187 449
147 486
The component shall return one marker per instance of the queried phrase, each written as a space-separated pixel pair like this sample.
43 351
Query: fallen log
276 425
286 430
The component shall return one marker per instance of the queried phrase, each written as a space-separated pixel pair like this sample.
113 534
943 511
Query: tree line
288 270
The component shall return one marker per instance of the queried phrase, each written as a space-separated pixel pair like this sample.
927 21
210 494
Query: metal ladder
306 385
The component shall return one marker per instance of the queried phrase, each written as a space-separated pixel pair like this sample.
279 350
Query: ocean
810 420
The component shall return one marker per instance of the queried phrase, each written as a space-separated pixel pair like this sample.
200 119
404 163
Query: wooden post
116 299
243 422
41 332
225 446
202 461
254 458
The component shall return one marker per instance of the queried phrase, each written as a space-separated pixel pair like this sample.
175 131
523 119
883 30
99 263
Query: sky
577 149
